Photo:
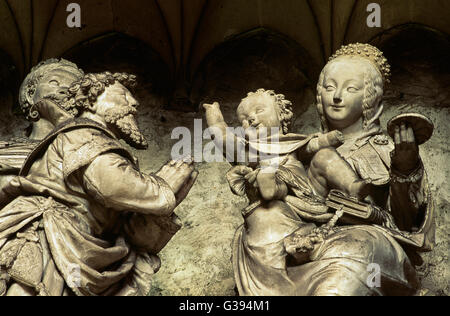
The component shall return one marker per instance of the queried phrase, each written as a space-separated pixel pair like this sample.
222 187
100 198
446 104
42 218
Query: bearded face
54 85
117 106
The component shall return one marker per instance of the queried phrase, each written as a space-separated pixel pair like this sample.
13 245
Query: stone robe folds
343 263
83 218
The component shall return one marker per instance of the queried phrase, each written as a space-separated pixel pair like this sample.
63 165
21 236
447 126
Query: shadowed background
194 51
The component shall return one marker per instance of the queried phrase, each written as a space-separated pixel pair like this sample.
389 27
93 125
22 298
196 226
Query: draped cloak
82 219
343 264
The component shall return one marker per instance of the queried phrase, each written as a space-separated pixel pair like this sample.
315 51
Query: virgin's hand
405 156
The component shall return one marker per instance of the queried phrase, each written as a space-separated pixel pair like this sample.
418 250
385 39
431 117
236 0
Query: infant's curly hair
284 110
84 92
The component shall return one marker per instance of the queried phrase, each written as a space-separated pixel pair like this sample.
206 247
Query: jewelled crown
369 52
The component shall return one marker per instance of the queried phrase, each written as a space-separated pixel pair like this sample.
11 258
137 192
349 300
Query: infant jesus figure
271 160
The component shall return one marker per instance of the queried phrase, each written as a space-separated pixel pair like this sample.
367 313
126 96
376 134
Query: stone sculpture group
79 217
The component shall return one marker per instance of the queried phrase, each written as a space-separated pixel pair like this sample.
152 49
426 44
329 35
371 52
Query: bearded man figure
83 219
49 79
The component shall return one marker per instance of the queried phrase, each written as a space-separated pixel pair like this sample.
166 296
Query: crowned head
351 87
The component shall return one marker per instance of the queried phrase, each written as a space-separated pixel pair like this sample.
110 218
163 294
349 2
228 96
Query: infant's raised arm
214 119
214 116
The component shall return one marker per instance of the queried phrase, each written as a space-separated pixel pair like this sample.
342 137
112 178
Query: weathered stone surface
435 271
197 259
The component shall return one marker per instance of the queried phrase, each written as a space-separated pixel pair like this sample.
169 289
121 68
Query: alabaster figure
49 79
350 91
304 231
265 118
81 218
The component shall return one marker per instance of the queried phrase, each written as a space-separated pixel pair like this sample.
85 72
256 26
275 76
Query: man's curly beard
123 119
57 99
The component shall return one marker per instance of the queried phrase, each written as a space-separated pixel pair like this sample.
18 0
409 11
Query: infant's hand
214 106
331 139
236 178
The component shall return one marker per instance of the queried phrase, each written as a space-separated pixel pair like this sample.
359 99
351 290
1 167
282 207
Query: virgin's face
343 92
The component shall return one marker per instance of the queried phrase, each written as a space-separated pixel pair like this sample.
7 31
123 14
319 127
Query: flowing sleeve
412 206
150 222
408 197
115 183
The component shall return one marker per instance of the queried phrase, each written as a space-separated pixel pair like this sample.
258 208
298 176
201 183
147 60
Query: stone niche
420 82
10 124
197 259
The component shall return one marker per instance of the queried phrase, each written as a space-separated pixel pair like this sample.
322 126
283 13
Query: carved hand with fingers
251 177
405 156
180 175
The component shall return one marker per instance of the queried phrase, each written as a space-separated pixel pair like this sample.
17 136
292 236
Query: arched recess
301 20
116 52
9 90
260 58
433 13
419 57
9 82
